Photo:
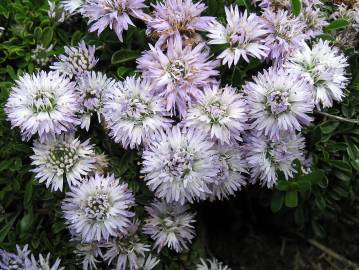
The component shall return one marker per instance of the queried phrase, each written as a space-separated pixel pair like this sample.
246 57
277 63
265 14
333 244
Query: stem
352 121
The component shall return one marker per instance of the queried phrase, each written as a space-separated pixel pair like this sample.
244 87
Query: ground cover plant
166 134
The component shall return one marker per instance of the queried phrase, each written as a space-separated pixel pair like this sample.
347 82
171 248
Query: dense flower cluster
197 138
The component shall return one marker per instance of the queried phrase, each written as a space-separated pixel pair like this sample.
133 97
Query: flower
177 16
127 248
266 157
73 6
43 263
324 66
132 114
169 224
113 13
56 12
43 104
279 101
98 207
179 165
213 264
89 252
76 60
243 36
20 260
91 88
41 55
230 177
179 74
286 34
149 263
62 158
314 21
220 113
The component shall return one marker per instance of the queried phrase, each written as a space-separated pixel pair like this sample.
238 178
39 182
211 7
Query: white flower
44 104
220 113
150 263
56 12
324 67
76 60
92 88
133 114
89 252
179 165
169 224
98 207
266 157
73 6
43 263
279 101
243 35
213 264
62 158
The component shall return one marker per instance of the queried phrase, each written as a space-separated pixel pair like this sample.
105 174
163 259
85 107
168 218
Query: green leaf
296 7
353 151
277 201
282 185
313 177
11 72
342 165
291 199
26 222
123 56
28 194
337 24
47 35
329 127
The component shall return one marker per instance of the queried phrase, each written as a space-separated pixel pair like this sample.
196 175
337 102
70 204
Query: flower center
179 164
278 102
13 264
216 111
43 101
135 109
176 70
97 206
80 60
62 158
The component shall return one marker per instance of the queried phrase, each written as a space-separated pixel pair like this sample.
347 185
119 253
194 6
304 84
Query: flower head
220 113
179 74
213 264
279 101
112 13
324 67
62 158
243 35
177 16
43 263
73 6
133 114
56 12
41 55
98 207
267 157
18 260
169 224
179 165
76 60
43 104
92 87
88 252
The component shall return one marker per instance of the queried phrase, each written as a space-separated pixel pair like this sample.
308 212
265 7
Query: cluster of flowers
199 140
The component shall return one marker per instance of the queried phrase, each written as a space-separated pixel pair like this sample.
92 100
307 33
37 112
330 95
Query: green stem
339 118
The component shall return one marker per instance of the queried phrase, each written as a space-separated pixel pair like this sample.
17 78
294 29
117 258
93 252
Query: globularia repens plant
172 103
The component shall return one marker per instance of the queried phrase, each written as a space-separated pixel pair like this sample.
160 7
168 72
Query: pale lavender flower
126 250
314 20
73 6
98 208
179 74
92 88
212 264
89 254
19 260
324 66
230 177
243 36
279 101
41 55
220 113
286 34
76 60
169 224
56 12
43 104
43 263
177 16
133 114
62 158
179 165
266 157
112 13
276 5
149 263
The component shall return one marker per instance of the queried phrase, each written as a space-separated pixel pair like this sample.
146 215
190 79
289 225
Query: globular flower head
178 74
179 165
18 260
43 263
76 60
92 88
56 12
169 224
73 6
98 207
112 13
133 114
43 104
279 101
62 158
230 177
243 36
324 66
314 21
286 34
220 113
211 264
267 157
41 55
177 16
